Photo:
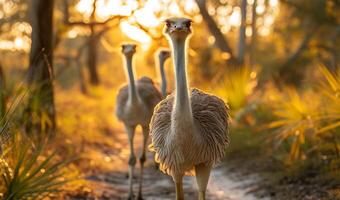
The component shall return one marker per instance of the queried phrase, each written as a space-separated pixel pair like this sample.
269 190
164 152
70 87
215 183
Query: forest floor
89 130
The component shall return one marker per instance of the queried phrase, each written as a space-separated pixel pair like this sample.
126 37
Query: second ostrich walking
189 129
163 55
134 106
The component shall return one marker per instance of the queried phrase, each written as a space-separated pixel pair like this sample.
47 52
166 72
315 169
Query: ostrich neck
161 66
182 106
130 76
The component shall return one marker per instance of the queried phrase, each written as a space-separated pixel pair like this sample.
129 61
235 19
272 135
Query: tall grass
27 170
29 174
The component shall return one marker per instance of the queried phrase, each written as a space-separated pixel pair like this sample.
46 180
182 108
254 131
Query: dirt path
113 183
98 139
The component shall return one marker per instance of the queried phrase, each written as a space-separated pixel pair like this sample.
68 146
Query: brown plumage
189 129
211 120
147 92
134 106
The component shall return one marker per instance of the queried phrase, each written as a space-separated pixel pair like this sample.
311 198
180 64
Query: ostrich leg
179 186
202 178
142 159
132 160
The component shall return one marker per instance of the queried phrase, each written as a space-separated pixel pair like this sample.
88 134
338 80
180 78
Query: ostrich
163 55
189 129
134 106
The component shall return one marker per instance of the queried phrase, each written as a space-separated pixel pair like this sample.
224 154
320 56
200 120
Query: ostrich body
163 55
134 106
189 129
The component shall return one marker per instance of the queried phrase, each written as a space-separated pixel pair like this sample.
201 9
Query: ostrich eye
187 24
168 24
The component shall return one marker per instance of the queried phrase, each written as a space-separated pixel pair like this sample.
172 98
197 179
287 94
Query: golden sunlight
135 33
235 18
106 8
19 44
146 17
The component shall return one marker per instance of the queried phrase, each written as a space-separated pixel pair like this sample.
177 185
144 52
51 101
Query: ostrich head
164 54
178 28
128 49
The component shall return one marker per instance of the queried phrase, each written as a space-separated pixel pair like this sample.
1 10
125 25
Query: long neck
182 102
161 68
130 76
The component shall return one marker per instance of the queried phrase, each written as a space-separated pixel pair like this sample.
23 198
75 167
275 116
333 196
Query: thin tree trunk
242 35
78 63
41 102
97 29
288 72
92 58
221 41
253 35
335 53
2 94
92 51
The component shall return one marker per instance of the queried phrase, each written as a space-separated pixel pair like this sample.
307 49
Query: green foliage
302 117
295 118
236 87
31 175
330 90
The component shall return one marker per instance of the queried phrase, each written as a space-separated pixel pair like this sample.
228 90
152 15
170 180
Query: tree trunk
92 58
253 35
242 35
335 52
41 110
221 41
2 94
289 73
92 51
82 83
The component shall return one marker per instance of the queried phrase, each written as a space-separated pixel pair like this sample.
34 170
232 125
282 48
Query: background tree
318 22
221 41
2 94
242 35
97 29
253 34
41 110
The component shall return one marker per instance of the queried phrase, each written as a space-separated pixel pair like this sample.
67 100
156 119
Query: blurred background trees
243 31
97 29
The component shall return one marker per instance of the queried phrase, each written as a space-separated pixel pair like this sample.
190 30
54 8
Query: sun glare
146 18
19 44
235 18
105 8
135 33
108 8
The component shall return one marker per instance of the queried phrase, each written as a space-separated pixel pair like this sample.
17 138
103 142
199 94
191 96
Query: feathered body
189 129
203 143
134 106
140 112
